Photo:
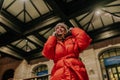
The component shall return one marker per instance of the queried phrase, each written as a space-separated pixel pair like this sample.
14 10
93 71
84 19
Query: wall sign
112 60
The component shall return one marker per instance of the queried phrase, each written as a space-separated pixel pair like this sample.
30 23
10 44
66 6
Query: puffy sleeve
82 38
49 47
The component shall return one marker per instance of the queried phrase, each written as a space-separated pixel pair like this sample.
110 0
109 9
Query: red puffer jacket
65 55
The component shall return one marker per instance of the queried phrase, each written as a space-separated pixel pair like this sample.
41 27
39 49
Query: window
110 54
8 74
41 70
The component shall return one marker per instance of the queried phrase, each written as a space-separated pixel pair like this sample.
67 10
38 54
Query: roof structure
26 24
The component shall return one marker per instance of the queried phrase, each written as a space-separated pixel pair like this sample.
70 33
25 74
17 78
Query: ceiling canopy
26 24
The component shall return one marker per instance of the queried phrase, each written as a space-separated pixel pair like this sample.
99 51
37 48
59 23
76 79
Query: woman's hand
70 29
54 33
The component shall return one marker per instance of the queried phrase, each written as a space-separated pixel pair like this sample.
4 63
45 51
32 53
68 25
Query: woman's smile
60 30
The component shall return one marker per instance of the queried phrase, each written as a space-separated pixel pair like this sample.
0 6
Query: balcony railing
42 77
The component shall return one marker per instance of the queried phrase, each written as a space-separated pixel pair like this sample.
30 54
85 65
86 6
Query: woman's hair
62 24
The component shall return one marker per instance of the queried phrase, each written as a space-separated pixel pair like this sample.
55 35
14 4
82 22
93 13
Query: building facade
102 61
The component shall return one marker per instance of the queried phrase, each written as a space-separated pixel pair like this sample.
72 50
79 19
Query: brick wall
89 57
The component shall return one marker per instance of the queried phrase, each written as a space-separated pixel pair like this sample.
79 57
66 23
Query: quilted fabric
65 55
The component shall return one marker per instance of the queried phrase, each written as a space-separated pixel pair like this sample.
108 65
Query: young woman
64 47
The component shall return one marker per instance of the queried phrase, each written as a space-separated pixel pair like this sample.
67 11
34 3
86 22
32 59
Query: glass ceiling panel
113 9
16 42
28 18
28 47
86 19
81 16
107 19
21 17
118 14
96 23
100 17
50 20
91 26
46 33
117 19
115 2
2 30
6 3
26 10
24 45
36 40
16 7
43 9
8 51
31 10
21 44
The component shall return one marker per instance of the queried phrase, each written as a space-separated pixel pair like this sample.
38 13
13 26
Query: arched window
110 63
41 70
8 74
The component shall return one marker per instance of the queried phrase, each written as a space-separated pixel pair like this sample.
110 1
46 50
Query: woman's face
60 30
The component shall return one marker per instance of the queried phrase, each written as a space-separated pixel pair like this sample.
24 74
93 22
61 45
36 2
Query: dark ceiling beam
8 38
34 54
35 32
79 25
31 25
24 13
111 13
47 31
89 6
42 58
40 37
39 28
9 55
35 7
113 5
4 26
9 28
107 35
26 55
58 11
107 28
38 46
85 16
49 8
37 50
10 4
19 13
22 53
12 19
92 26
104 33
1 3
29 15
86 29
19 51
102 21
113 19
80 12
